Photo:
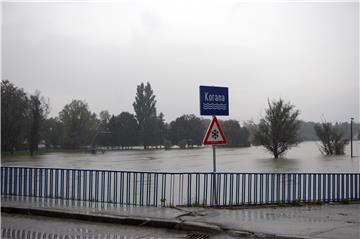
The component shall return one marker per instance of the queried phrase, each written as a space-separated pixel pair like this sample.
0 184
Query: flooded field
304 158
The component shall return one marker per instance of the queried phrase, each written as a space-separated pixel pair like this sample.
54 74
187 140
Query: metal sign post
214 158
215 193
214 149
214 136
351 137
214 101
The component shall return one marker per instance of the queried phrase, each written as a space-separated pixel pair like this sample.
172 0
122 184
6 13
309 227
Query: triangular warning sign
214 134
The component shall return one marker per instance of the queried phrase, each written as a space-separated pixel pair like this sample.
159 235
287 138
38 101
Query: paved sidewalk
327 221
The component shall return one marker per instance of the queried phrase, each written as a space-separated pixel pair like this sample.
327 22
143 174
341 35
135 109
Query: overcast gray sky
306 53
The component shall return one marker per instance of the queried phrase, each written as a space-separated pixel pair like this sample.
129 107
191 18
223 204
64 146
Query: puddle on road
15 226
20 226
80 233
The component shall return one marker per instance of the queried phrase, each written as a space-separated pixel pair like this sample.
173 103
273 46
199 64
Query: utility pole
351 137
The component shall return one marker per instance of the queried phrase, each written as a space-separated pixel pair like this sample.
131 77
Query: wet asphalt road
16 226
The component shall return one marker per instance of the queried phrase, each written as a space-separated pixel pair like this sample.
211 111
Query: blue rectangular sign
214 100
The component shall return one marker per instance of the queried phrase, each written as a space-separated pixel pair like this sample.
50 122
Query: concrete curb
142 221
134 221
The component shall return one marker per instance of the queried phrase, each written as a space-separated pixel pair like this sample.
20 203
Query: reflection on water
304 158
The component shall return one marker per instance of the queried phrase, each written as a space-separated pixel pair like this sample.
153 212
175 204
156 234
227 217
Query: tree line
22 116
25 125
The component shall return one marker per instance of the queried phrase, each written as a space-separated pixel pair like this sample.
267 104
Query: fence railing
171 189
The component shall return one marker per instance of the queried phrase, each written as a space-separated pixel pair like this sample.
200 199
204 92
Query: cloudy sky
306 53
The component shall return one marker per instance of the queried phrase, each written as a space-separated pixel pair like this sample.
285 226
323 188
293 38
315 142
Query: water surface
306 157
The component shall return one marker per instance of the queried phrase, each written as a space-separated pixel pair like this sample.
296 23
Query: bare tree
278 130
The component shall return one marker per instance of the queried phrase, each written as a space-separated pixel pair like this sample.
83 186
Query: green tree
251 128
124 130
103 137
160 130
244 137
79 124
278 130
38 111
53 132
332 139
14 120
145 113
236 136
104 119
187 128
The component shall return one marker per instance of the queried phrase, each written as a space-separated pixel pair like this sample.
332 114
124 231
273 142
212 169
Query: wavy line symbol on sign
214 106
214 100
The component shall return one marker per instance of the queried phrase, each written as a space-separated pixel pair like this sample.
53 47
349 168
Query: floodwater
306 157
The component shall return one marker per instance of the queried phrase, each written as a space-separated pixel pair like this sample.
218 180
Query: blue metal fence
171 189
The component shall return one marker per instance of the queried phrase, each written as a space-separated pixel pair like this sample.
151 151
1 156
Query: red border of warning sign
205 140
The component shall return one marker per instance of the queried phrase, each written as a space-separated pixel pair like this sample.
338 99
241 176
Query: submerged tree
332 140
278 130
